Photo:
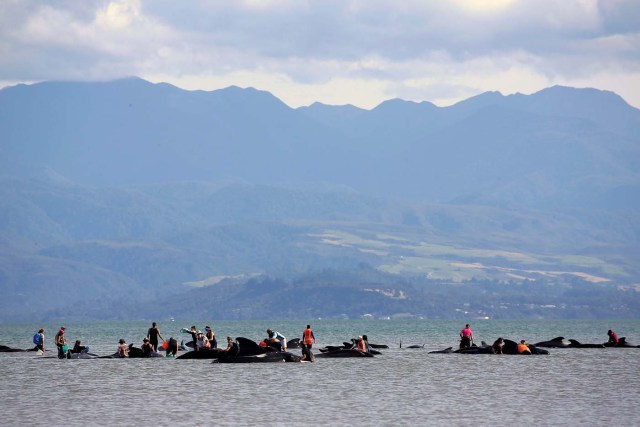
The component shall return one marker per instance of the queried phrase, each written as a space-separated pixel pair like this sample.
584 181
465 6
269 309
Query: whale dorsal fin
558 339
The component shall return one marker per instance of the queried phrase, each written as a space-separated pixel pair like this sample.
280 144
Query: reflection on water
400 387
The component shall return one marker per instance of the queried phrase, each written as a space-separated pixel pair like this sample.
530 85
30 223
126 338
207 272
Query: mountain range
124 191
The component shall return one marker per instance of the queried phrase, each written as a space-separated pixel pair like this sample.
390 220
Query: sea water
399 387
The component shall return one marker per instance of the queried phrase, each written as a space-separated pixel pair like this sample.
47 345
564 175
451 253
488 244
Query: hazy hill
556 142
119 192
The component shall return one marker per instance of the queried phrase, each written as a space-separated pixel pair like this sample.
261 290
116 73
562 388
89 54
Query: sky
358 52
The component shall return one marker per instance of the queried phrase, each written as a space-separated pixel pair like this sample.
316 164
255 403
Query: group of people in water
61 343
207 341
151 342
466 341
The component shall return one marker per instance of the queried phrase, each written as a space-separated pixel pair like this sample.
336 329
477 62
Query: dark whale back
345 353
557 342
250 348
212 353
578 344
273 357
5 349
294 343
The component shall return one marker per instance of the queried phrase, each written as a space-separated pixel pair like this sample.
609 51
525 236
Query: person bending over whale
172 347
277 337
523 348
613 337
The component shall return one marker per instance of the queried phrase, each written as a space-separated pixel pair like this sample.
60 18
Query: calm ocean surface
399 387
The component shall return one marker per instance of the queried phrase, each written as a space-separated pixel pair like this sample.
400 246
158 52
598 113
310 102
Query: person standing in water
61 343
466 337
153 333
38 340
308 338
613 337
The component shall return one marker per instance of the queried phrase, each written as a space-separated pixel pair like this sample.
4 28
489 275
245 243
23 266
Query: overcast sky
335 52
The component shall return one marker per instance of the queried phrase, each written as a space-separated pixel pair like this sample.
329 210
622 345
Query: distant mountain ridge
117 193
131 131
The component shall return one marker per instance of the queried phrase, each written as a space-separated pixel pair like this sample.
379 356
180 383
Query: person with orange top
308 338
523 348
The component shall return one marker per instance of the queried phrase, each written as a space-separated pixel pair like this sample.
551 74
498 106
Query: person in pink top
613 337
466 337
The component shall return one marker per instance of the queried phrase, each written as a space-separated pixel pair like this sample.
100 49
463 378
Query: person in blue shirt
38 340
275 337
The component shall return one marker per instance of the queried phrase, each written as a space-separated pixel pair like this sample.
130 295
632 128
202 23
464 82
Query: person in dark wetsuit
211 336
79 348
172 347
496 348
153 333
194 335
147 348
232 347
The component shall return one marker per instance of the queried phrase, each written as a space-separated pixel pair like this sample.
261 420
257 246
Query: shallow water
399 387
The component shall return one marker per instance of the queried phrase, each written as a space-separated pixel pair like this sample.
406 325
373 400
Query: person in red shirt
466 337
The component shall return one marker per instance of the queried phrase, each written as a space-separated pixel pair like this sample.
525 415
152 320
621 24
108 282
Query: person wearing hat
123 348
202 343
61 343
147 348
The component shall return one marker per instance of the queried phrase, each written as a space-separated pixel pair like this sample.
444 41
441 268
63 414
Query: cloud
304 51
